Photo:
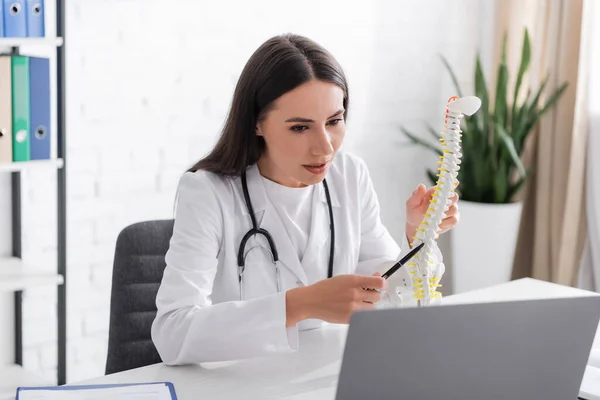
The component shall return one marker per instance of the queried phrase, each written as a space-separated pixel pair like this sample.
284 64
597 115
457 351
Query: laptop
531 349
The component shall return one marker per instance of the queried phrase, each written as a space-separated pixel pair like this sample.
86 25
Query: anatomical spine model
425 286
419 279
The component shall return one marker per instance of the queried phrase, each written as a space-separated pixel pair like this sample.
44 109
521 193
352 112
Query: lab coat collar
269 220
333 193
258 196
256 190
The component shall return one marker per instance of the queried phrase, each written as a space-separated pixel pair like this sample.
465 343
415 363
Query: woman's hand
334 299
417 205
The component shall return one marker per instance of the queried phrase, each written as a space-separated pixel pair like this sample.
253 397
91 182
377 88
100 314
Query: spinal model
421 265
421 275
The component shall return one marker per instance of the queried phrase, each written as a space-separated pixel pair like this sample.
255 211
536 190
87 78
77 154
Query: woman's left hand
417 205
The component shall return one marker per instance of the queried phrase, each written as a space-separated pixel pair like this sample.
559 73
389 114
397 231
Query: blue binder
1 19
39 108
15 21
35 18
84 387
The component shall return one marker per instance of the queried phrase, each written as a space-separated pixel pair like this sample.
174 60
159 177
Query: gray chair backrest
138 268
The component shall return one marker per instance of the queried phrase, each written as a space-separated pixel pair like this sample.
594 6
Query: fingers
370 296
452 210
371 282
416 196
448 223
365 306
429 194
422 200
422 195
454 198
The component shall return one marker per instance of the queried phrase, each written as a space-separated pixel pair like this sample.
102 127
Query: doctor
275 230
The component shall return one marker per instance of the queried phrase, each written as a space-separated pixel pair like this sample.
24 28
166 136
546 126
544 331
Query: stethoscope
255 230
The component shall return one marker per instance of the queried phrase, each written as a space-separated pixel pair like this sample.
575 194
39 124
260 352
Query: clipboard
169 385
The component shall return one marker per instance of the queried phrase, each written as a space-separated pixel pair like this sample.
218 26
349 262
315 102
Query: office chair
139 264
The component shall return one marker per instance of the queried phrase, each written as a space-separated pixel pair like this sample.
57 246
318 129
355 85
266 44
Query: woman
281 141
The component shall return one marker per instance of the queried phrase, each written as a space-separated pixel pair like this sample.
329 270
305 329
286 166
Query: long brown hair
279 65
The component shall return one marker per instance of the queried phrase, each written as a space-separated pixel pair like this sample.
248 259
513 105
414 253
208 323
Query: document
154 391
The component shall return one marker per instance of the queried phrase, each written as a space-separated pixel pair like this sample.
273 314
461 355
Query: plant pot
483 244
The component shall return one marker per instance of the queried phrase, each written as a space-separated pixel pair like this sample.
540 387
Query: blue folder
39 108
1 19
35 18
15 21
84 387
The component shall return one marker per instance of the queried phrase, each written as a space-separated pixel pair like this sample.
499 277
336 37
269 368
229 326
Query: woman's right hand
334 299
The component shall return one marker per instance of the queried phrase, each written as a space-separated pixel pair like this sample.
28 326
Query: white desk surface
312 372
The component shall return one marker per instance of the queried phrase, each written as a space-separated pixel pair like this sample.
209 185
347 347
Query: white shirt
294 207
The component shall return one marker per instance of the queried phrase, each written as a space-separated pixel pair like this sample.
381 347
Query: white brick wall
168 89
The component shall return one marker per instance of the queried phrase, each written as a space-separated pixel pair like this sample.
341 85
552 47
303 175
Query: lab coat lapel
272 223
316 255
286 250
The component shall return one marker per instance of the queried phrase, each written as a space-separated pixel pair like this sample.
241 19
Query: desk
312 372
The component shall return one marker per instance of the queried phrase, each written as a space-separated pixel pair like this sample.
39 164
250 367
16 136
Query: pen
403 261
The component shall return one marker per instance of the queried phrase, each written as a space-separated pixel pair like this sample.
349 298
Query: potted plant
491 172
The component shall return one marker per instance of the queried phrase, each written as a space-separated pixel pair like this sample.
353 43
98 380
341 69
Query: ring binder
122 395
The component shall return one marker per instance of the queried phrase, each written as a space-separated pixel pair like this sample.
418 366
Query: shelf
13 376
26 41
15 275
21 166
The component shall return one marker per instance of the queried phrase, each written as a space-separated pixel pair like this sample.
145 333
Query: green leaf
525 60
536 99
478 168
483 117
500 106
553 99
533 107
500 183
416 140
535 115
510 146
515 187
474 139
452 75
519 131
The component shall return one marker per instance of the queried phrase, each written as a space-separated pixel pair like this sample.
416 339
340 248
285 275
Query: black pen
403 261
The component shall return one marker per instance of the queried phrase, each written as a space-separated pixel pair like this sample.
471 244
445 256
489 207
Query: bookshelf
18 42
15 275
23 166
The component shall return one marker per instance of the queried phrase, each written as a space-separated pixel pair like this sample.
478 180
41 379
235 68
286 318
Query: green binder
20 108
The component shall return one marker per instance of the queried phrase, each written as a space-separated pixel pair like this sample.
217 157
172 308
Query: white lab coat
200 316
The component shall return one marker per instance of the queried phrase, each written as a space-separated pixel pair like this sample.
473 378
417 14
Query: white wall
147 73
